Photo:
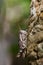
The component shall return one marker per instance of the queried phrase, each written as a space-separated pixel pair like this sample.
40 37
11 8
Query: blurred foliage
16 2
13 49
2 15
15 24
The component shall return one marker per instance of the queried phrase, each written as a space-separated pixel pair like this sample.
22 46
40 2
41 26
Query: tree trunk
35 38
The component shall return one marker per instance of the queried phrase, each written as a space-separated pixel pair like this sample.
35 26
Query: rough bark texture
35 37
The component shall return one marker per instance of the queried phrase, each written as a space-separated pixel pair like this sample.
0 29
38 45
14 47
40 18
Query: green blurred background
16 12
